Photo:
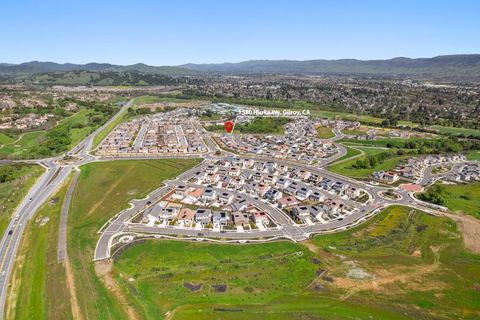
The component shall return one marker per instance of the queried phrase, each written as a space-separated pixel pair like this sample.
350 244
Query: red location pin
228 126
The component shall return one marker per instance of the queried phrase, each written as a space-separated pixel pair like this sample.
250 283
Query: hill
36 67
449 65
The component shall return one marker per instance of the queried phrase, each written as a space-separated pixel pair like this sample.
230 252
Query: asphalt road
57 173
46 185
62 236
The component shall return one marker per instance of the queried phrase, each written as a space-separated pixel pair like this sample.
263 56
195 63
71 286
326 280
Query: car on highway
10 232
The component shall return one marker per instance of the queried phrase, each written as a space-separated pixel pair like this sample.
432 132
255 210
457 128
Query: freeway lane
10 242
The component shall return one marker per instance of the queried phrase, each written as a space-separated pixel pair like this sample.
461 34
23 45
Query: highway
57 172
54 177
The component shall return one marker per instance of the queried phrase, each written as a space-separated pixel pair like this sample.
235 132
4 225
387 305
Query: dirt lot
470 228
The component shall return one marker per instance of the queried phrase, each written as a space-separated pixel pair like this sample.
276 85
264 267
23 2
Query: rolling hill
449 65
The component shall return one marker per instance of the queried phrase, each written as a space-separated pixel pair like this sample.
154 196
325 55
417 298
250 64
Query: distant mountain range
466 65
35 67
454 65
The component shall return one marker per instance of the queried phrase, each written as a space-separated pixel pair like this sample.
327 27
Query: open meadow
104 189
402 264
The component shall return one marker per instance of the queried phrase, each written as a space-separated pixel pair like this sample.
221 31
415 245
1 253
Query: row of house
167 132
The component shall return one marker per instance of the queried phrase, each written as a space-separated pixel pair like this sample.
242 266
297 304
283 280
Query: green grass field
412 266
325 132
4 139
473 155
154 99
345 167
456 131
462 198
23 145
383 142
104 189
262 280
415 262
39 288
12 192
350 154
354 132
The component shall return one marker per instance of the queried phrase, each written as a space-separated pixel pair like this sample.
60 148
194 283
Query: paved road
140 136
120 225
62 236
56 173
45 186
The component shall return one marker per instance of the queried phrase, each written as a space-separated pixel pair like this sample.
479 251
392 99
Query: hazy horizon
225 62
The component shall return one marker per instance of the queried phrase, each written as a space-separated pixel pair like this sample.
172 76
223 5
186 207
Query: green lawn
346 168
350 154
154 99
12 192
417 261
23 145
325 132
4 139
104 189
456 131
462 198
40 290
473 155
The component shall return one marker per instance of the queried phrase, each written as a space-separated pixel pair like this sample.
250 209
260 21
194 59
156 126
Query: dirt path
103 269
470 228
73 293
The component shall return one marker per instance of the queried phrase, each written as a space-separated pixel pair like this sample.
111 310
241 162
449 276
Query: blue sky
181 31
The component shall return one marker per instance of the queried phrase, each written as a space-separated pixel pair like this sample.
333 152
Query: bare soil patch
470 228
104 270
77 314
411 277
